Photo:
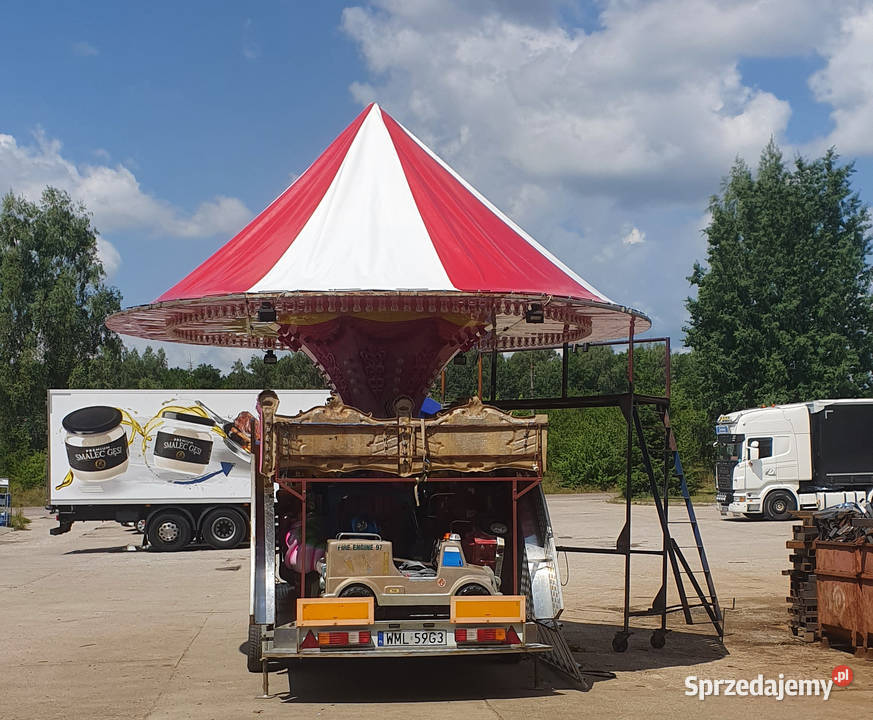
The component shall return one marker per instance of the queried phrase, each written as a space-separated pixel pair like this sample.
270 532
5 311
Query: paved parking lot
89 629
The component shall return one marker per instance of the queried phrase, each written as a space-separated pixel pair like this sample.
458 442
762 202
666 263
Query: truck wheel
253 649
357 591
472 589
169 530
778 506
223 528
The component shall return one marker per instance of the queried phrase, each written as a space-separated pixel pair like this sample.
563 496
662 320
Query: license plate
411 638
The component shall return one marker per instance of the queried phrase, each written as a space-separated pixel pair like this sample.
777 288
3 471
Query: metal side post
263 526
264 550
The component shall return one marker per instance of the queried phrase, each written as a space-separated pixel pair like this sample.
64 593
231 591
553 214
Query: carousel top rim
227 319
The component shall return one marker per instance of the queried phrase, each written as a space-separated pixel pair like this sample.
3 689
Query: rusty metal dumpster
844 573
866 594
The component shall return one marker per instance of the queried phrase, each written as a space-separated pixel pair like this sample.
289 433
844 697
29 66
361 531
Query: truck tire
223 528
169 530
778 505
253 649
356 591
472 589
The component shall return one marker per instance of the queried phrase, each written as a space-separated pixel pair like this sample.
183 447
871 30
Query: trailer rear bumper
288 641
286 653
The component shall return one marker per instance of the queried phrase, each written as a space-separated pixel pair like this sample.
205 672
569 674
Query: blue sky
601 127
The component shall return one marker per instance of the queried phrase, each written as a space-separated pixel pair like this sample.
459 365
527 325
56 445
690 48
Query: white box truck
176 462
772 460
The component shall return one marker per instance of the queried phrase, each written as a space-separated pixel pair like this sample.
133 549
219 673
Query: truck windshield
729 447
729 451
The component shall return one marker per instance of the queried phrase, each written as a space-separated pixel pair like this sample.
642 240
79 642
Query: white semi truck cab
773 460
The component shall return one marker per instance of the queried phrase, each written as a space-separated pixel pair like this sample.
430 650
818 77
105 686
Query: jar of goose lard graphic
96 443
184 443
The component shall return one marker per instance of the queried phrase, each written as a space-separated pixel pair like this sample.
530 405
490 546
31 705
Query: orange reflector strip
488 609
334 611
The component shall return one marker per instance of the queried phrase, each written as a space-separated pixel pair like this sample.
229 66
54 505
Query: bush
26 468
587 450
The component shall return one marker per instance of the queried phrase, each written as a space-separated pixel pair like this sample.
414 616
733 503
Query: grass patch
28 497
18 521
552 486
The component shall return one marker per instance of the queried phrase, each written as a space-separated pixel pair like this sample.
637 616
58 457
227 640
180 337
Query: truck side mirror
754 452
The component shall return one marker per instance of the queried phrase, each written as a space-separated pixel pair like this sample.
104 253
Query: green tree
53 302
293 371
783 310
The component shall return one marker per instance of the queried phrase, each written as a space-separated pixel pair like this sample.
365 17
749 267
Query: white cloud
846 83
648 106
112 194
638 111
84 49
250 49
108 256
634 237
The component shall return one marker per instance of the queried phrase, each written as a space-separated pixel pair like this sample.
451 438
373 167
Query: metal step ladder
673 554
560 656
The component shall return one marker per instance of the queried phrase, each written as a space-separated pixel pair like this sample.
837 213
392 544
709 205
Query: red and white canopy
381 229
379 211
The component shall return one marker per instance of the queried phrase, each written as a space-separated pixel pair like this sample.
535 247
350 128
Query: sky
602 128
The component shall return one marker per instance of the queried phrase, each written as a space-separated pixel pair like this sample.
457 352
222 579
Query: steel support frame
628 403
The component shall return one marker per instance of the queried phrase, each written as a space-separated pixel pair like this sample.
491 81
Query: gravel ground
90 629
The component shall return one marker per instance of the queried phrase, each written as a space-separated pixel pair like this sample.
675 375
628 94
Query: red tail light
343 639
333 638
491 635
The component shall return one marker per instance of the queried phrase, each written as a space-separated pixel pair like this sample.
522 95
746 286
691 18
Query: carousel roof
379 224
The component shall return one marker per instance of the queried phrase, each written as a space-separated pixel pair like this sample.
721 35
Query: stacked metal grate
803 601
847 523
